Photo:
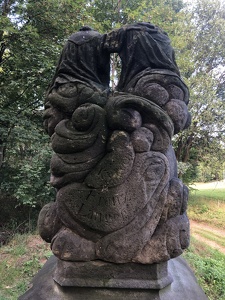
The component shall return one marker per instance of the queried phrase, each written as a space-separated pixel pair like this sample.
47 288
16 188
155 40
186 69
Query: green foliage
25 173
211 167
106 15
30 266
200 61
187 172
208 265
35 187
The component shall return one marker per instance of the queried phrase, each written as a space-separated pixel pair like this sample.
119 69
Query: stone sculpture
119 199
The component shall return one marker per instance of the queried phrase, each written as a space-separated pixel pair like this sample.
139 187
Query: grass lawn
20 261
209 267
207 203
215 194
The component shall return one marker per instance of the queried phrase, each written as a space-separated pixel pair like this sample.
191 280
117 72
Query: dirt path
196 226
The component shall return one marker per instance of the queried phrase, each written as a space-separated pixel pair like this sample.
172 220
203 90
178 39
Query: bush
209 269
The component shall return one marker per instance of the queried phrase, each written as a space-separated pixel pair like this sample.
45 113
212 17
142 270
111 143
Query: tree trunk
1 155
6 5
187 149
183 149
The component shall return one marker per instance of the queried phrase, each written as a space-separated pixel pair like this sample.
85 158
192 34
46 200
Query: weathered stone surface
109 275
184 286
118 196
49 222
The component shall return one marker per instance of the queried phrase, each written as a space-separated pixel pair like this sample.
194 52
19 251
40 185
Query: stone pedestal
100 274
132 287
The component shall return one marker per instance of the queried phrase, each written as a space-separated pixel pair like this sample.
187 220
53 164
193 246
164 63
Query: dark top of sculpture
83 60
140 46
85 57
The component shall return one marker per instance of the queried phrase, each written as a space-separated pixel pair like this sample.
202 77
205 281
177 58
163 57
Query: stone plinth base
184 285
108 275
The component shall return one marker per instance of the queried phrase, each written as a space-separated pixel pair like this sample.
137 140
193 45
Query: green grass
208 206
208 265
203 207
211 236
20 261
211 194
12 282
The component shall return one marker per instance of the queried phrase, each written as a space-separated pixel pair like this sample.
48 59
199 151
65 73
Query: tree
201 57
32 34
